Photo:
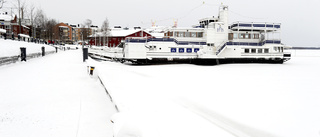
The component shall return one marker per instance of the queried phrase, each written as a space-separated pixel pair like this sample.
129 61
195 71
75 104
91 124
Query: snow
63 27
3 31
12 48
5 17
223 100
23 35
118 33
54 96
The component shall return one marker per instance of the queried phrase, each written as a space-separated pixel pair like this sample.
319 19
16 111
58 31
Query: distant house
11 26
116 36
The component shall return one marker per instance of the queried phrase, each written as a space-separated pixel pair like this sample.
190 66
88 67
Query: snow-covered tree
105 31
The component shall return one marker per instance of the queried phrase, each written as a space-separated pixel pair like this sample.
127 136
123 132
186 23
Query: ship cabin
254 34
186 36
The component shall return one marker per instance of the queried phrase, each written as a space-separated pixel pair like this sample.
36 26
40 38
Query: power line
181 16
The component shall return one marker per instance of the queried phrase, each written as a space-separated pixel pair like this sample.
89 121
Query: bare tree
32 18
40 18
86 31
1 3
49 27
40 23
21 6
105 31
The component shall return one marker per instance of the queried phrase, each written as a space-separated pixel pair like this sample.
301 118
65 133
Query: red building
11 26
116 36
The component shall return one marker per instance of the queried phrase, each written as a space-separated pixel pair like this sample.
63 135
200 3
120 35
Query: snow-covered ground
12 48
53 96
224 100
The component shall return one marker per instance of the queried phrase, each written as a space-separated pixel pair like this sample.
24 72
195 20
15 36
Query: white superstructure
212 42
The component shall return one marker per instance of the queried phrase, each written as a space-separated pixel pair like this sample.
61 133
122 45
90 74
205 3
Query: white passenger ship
213 41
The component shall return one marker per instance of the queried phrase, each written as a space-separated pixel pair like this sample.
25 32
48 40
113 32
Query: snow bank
12 48
223 100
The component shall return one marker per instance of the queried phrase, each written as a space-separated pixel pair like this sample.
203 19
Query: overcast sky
300 19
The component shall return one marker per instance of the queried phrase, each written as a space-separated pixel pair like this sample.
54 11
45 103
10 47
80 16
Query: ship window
259 50
253 50
181 50
193 34
173 50
247 36
266 50
181 34
200 34
230 36
189 50
242 36
176 34
275 48
187 34
256 36
235 36
246 51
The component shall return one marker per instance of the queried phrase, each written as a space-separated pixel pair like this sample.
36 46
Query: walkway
53 96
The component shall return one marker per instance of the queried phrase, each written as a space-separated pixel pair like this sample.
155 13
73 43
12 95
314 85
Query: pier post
43 51
23 53
85 54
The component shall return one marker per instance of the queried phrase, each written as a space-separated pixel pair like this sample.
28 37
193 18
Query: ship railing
165 39
221 47
256 25
254 43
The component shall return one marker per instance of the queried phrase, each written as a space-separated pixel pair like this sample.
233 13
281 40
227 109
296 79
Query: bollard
23 53
91 70
43 51
85 54
56 49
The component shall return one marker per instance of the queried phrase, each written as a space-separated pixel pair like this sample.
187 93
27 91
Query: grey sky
300 19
